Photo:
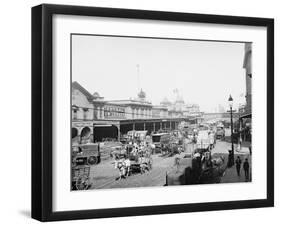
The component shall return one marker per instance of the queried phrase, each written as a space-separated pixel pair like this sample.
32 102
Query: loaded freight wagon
220 132
86 154
203 141
160 140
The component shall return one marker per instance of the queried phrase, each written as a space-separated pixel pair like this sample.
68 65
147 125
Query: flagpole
138 76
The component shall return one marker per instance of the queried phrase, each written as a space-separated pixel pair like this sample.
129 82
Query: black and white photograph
140 113
153 111
145 112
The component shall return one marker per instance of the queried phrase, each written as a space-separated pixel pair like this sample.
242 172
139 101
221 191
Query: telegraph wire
116 111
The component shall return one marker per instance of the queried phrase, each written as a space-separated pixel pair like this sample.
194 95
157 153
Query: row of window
108 112
114 112
114 109
85 113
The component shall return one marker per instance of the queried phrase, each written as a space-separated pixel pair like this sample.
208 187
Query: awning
245 115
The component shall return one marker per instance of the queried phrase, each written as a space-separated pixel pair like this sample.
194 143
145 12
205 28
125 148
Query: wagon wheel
82 183
92 160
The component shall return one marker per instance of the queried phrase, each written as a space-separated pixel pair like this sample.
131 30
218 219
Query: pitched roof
77 86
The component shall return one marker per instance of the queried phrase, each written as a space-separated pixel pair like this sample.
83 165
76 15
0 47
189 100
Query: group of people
139 148
137 153
246 167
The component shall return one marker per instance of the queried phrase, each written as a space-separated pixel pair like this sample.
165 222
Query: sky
203 72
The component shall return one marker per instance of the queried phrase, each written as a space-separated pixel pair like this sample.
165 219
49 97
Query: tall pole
138 76
119 132
231 127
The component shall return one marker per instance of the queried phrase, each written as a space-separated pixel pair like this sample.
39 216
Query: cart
80 177
141 162
86 154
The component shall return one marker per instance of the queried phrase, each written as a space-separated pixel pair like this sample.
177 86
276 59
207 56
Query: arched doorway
74 136
105 132
74 133
85 135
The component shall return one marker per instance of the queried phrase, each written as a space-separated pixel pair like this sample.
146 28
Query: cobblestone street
103 175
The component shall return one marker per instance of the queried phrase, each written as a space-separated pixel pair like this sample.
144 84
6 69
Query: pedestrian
246 167
250 149
238 165
119 164
177 162
127 165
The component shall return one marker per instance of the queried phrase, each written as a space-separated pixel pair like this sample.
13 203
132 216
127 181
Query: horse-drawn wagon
136 161
140 162
83 154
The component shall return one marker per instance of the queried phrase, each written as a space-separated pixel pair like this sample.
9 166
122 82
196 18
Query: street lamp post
231 155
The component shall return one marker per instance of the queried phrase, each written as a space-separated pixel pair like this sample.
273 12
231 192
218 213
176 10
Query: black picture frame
42 107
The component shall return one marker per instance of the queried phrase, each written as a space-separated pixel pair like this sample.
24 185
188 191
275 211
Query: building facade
192 110
94 118
134 109
159 111
82 108
247 65
138 108
245 119
179 108
82 114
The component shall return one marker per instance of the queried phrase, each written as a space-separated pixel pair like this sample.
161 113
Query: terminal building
94 118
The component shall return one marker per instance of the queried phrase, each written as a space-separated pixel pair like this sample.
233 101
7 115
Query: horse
124 168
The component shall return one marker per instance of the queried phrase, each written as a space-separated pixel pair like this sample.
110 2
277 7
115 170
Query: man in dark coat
238 165
246 167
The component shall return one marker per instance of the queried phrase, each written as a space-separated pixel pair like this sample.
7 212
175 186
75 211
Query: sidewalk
242 151
246 144
231 176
